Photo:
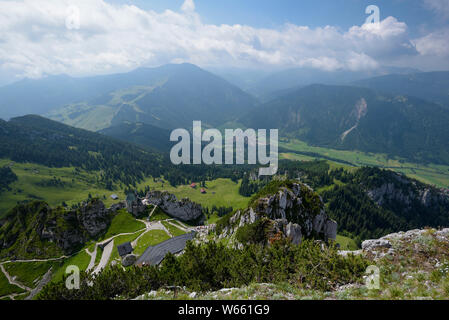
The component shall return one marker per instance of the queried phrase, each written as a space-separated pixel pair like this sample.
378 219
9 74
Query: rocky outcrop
375 244
94 217
409 193
134 205
425 242
76 227
295 211
184 210
290 230
37 230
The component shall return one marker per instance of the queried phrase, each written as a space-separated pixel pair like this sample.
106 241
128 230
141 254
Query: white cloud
434 44
34 40
188 6
440 7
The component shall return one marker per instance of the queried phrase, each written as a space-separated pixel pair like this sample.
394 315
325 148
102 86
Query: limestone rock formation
94 217
374 244
295 211
184 210
405 191
77 226
134 205
33 228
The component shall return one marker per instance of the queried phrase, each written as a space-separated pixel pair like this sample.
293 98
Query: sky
89 37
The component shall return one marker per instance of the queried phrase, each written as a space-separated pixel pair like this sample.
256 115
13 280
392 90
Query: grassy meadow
428 173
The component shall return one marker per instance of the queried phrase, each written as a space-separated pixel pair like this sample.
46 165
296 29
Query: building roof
155 255
124 249
203 190
193 185
114 196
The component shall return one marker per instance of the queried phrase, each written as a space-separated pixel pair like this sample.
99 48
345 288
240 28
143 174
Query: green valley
435 174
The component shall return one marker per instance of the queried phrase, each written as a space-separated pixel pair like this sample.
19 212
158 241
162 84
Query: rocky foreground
411 265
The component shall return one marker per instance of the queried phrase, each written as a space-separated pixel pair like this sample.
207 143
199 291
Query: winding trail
155 225
151 213
178 226
106 255
22 286
13 281
107 251
93 257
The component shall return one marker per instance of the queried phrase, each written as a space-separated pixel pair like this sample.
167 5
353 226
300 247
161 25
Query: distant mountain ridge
277 83
354 118
169 96
431 86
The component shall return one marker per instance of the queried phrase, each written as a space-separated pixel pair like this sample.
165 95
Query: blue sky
89 37
313 13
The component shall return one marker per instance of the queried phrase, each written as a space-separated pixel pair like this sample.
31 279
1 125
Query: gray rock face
184 210
290 213
129 260
69 230
330 229
136 207
293 231
94 217
289 204
370 245
402 190
76 227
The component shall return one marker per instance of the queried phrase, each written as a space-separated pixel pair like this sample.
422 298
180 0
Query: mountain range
353 118
431 86
402 114
170 96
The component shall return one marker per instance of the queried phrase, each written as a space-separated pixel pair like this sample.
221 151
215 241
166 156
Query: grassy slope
172 229
151 238
81 260
123 222
31 174
6 288
431 173
220 192
89 118
159 215
346 243
28 272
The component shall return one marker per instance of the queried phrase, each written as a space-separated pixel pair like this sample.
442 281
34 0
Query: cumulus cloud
434 44
35 39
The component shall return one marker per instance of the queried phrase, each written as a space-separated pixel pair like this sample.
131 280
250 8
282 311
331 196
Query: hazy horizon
85 38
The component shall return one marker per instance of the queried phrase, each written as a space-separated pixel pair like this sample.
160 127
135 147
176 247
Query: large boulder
184 210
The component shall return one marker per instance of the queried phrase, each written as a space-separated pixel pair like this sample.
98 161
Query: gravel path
12 280
93 256
107 251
